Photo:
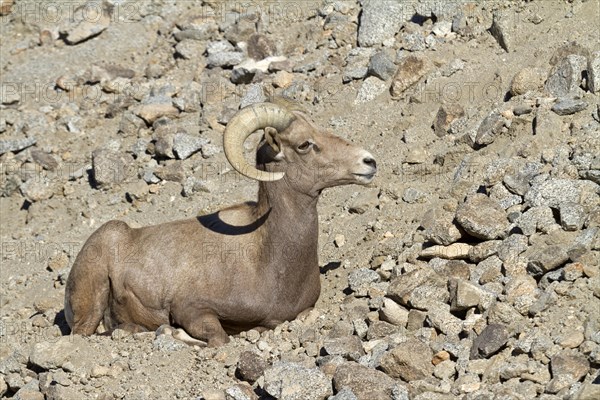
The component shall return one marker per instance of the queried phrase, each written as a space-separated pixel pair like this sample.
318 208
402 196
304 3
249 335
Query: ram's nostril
370 162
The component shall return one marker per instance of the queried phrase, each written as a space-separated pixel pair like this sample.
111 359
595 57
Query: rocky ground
469 269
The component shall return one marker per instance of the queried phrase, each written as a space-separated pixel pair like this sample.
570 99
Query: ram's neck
291 241
292 219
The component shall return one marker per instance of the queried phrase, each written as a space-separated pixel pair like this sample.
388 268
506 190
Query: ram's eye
304 146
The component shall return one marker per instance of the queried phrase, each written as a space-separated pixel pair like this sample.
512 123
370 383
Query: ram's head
308 157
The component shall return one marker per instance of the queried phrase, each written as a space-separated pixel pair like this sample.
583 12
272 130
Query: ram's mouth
364 178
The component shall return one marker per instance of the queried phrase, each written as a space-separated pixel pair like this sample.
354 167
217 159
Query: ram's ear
271 136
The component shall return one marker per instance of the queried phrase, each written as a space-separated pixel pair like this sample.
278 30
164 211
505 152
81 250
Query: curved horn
246 121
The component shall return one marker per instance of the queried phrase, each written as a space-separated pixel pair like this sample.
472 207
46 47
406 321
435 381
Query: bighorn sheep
253 265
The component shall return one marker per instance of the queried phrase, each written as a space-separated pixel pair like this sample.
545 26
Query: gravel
468 268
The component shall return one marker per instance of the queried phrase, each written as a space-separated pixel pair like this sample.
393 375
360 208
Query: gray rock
412 195
422 282
522 109
453 67
184 145
361 279
287 380
380 330
464 295
512 247
219 46
44 159
139 148
254 94
484 250
588 391
445 370
505 199
56 392
340 329
86 27
588 238
491 339
366 200
378 21
365 383
547 123
192 185
344 394
482 217
260 47
439 227
190 49
554 192
250 366
357 64
559 383
209 150
130 124
526 80
572 216
536 219
198 32
518 183
381 66
349 347
37 188
111 167
569 362
10 94
593 71
52 355
504 30
505 314
241 391
369 90
459 24
410 71
565 77
168 343
441 319
242 75
224 59
29 391
409 361
542 258
523 368
392 312
14 381
172 171
3 386
488 271
149 177
413 42
446 115
416 319
154 108
490 128
442 28
568 106
15 145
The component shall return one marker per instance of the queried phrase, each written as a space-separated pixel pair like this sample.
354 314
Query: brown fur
253 265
